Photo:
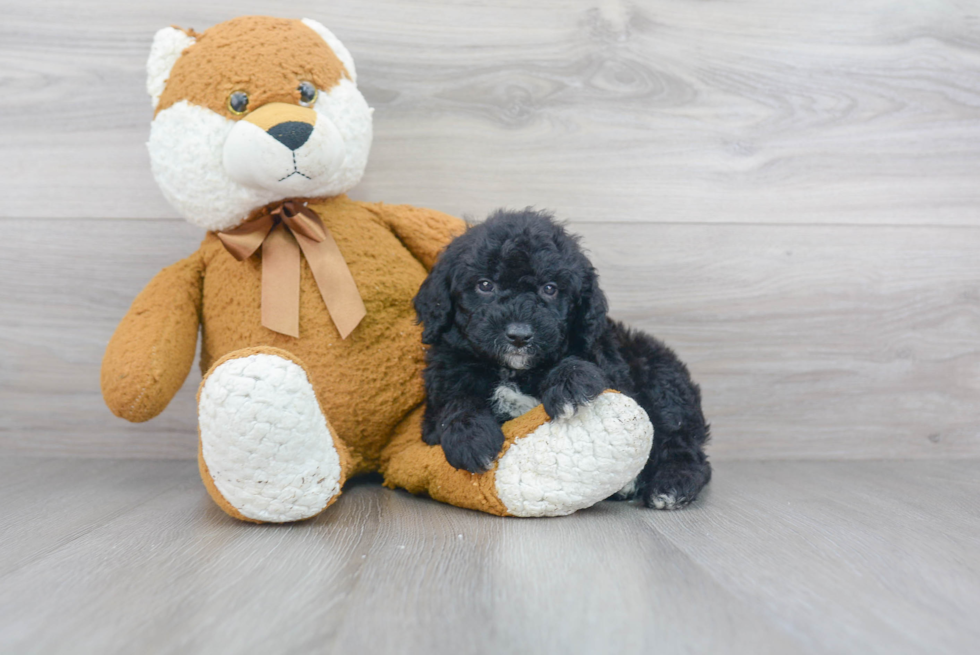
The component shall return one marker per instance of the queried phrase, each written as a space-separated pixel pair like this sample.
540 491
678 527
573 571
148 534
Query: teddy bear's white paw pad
265 441
571 463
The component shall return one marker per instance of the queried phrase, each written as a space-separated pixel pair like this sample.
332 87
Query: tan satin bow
278 233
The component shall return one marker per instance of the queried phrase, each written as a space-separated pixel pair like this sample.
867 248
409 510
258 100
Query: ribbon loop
301 220
301 230
243 241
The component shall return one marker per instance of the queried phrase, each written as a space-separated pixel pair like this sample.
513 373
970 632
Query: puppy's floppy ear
434 302
589 320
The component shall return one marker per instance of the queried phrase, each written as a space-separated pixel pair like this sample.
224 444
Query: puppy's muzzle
519 334
290 125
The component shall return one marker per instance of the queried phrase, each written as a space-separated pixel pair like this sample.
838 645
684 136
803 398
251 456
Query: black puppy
513 314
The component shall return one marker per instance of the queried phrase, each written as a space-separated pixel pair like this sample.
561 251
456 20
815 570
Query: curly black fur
513 310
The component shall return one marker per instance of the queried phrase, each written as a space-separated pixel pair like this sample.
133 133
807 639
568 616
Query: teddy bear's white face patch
302 158
215 170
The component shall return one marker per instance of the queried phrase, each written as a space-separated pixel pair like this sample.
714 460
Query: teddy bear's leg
267 452
547 467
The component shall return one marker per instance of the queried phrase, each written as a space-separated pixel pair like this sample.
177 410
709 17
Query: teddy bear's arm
153 347
425 232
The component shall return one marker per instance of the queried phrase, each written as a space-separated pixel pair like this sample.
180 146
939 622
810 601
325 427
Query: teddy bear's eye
238 102
307 93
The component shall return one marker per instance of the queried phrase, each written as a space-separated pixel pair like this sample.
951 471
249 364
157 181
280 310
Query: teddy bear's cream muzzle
285 148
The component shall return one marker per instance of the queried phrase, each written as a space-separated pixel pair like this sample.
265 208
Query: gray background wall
786 192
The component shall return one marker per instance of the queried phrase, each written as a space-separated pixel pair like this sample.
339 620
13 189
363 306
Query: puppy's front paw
570 385
471 441
674 486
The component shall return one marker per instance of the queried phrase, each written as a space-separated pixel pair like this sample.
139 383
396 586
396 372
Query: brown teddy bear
311 352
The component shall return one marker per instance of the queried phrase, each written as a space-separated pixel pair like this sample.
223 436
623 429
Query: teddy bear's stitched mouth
296 171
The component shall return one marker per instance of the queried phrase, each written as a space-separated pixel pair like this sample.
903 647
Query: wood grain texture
66 284
49 503
876 557
777 557
812 341
127 584
583 584
660 110
786 194
808 341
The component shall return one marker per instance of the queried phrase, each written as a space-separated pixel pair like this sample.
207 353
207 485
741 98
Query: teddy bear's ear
168 44
338 48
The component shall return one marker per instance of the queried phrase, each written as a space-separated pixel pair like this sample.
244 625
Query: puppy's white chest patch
507 400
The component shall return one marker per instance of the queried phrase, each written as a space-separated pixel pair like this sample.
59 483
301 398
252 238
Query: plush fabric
254 53
369 382
546 467
152 350
268 448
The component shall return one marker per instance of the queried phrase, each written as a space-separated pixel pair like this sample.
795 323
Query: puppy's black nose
519 333
291 134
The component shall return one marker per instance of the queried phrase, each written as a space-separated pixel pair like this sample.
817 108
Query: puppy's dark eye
238 102
549 290
307 94
485 286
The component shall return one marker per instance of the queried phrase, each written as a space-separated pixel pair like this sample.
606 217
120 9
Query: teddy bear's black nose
291 134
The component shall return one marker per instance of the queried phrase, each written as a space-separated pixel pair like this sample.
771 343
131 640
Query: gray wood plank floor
777 557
